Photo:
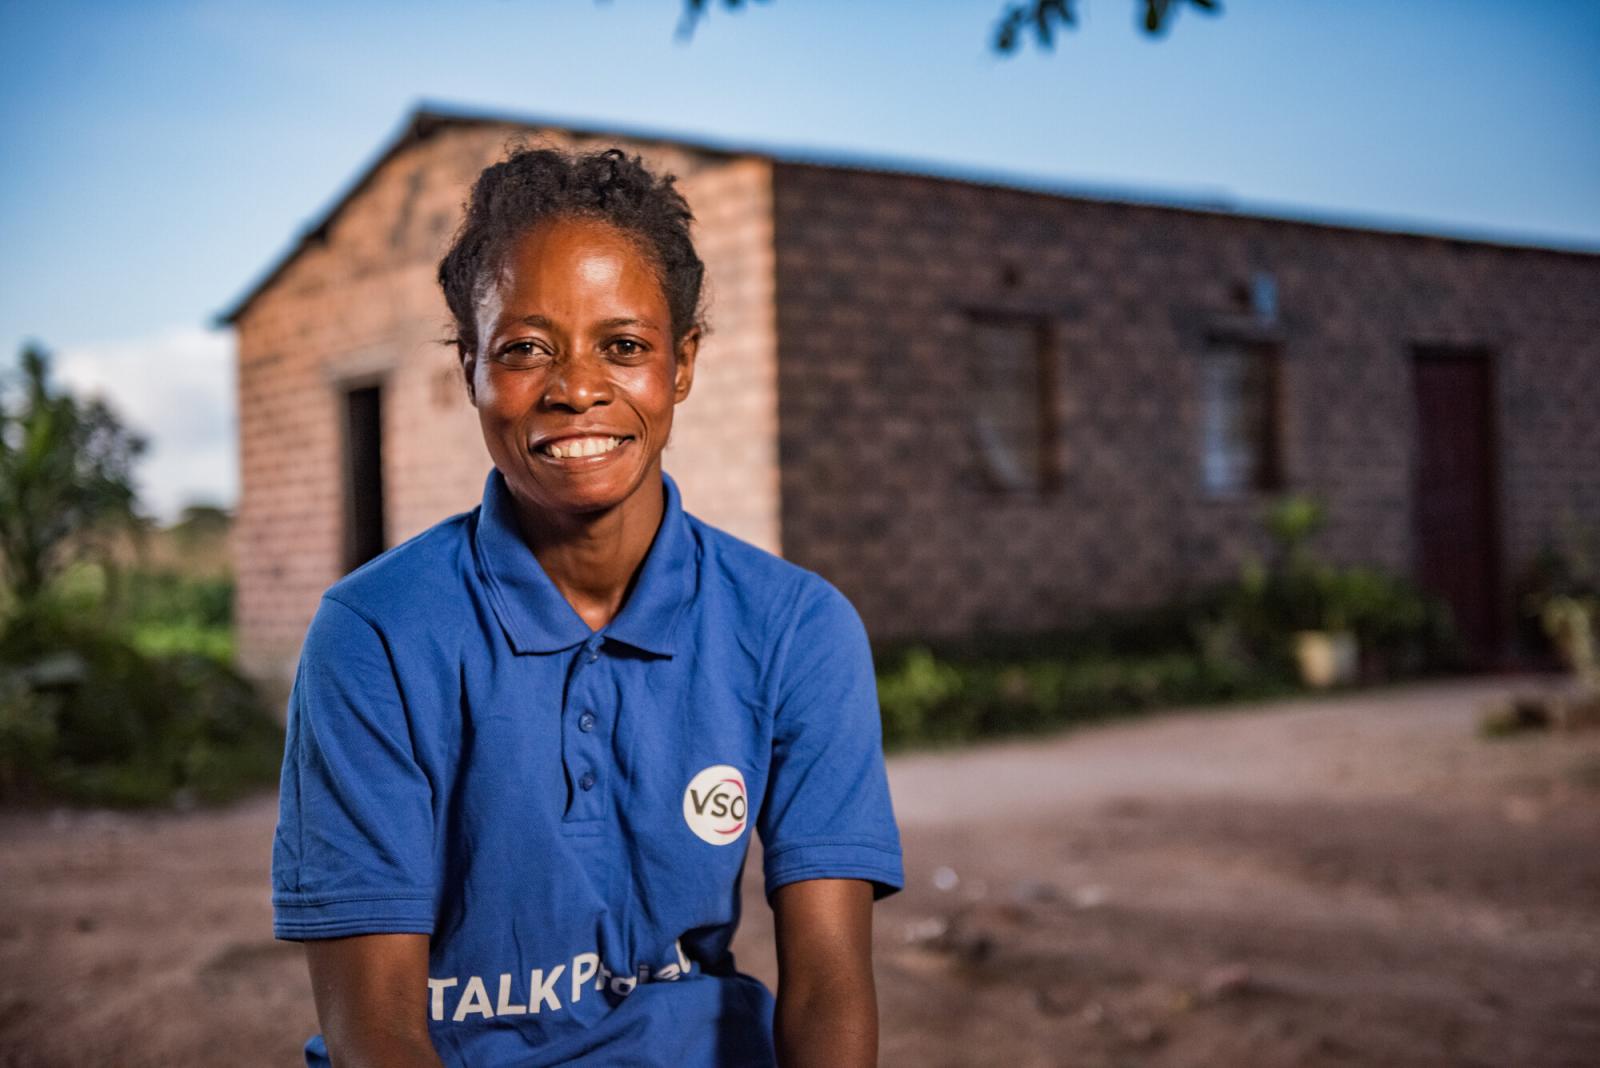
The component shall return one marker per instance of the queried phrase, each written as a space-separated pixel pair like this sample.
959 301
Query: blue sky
156 157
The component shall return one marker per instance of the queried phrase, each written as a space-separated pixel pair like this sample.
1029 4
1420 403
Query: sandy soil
1340 881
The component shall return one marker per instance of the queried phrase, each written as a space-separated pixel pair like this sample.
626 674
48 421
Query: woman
526 747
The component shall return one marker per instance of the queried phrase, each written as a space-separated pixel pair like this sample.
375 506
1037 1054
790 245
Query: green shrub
928 698
114 687
1231 642
915 696
86 716
167 612
1560 590
171 597
161 612
27 736
1400 631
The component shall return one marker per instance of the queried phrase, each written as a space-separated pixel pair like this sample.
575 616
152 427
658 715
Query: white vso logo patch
715 805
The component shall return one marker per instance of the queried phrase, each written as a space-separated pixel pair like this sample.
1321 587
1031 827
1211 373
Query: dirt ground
1355 880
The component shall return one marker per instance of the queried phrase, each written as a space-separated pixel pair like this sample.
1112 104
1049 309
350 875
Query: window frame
1266 474
1044 475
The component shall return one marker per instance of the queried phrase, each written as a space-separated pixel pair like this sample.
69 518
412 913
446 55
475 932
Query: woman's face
574 376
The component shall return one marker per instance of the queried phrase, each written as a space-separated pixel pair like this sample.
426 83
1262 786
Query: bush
162 612
1232 642
139 704
1560 589
167 612
1032 683
917 696
1401 631
86 716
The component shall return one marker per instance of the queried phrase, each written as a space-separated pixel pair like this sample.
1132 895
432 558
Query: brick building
970 406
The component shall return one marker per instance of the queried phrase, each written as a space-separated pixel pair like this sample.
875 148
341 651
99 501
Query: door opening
363 475
1456 518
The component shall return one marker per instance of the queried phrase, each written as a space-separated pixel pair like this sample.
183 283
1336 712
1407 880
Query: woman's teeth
568 448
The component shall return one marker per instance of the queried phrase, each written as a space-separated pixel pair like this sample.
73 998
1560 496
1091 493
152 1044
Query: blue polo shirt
566 812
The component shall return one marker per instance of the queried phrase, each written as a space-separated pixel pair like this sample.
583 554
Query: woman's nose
578 383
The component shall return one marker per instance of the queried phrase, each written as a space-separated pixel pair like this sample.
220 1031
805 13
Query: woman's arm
372 1000
827 1004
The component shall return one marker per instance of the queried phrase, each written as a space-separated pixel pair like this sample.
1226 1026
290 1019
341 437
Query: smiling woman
526 747
575 376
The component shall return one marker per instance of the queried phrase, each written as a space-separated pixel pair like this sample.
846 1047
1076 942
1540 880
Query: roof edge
424 120
427 118
1217 204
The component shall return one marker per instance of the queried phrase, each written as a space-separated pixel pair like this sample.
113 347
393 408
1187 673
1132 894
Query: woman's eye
625 346
521 352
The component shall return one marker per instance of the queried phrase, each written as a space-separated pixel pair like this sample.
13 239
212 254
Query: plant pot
1326 657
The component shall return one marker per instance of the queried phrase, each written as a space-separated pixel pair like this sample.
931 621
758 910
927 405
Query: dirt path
1341 881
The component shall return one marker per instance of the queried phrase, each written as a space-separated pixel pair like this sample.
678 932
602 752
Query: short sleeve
827 813
353 852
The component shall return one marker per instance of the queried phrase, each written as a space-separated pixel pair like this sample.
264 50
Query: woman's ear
683 365
469 366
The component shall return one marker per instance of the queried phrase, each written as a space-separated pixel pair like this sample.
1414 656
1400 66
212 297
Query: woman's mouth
581 448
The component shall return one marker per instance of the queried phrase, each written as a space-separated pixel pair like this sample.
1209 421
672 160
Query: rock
1143 1033
1035 892
1090 896
1523 811
1537 712
973 947
970 937
1058 1000
1522 712
1577 712
925 930
1225 981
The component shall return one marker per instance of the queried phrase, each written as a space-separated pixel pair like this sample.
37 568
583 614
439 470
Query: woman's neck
594 558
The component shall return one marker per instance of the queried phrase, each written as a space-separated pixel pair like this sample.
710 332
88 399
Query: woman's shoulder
731 553
781 585
421 577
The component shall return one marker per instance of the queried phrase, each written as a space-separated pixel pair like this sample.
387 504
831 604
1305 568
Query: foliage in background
928 698
1178 654
1040 19
86 716
1229 643
1561 589
1399 630
111 692
65 478
159 609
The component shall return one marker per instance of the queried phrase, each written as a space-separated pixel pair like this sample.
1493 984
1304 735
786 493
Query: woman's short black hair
533 184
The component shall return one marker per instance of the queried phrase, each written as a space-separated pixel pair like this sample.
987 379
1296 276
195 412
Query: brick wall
848 294
724 446
875 274
362 307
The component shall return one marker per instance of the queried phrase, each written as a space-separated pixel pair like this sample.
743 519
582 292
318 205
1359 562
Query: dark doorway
1456 518
363 475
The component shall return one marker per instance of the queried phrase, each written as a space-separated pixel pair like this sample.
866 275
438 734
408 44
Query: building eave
428 119
422 123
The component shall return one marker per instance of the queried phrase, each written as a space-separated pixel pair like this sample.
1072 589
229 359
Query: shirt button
587 782
592 657
586 721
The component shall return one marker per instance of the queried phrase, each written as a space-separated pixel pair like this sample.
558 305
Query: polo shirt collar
538 619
